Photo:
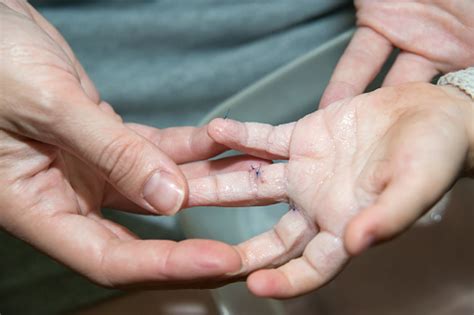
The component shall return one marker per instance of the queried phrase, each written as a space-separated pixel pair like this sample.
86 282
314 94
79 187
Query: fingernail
163 193
238 272
241 269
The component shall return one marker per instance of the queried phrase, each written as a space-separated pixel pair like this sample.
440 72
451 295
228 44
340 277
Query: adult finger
409 67
322 259
181 144
137 168
262 140
115 200
358 66
260 185
96 252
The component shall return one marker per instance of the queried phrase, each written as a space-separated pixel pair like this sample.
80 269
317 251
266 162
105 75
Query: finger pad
267 283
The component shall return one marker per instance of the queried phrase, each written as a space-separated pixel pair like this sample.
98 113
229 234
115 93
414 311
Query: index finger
358 66
181 144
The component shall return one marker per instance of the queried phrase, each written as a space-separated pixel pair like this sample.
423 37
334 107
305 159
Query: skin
358 172
434 36
65 154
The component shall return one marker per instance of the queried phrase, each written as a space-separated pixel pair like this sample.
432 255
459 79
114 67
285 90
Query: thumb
129 162
404 199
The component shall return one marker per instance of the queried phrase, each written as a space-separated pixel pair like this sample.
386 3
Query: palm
360 153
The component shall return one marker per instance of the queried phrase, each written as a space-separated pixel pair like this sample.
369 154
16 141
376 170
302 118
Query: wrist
466 106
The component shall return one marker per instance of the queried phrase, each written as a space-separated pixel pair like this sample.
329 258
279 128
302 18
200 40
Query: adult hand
433 37
359 172
64 154
47 96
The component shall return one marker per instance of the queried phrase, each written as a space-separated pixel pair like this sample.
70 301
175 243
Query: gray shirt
169 62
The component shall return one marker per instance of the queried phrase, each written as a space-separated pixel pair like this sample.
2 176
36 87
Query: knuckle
51 112
119 158
46 106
